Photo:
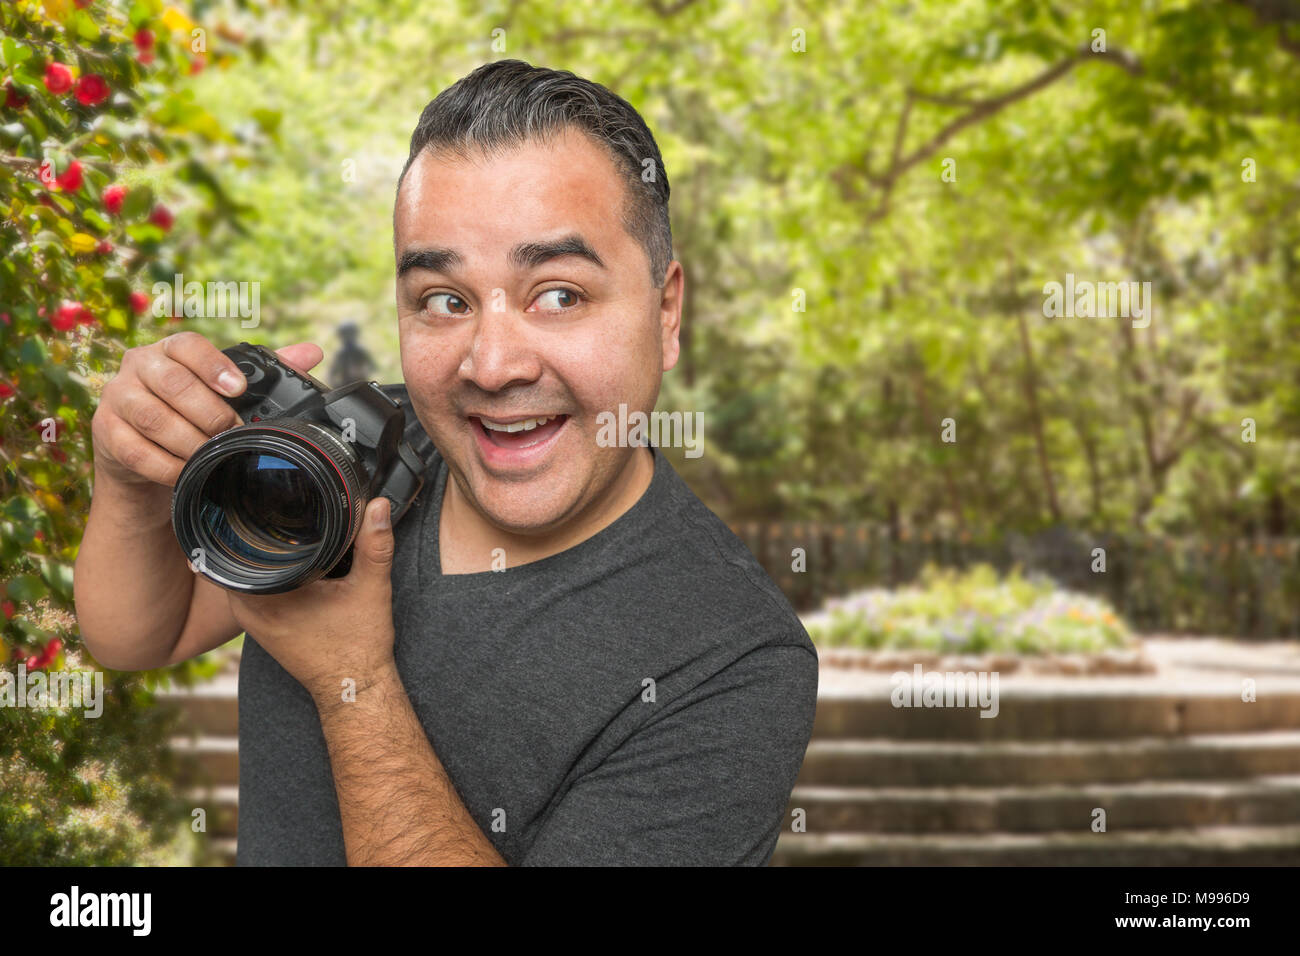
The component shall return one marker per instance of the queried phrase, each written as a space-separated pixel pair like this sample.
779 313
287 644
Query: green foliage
821 171
75 789
82 791
813 168
973 612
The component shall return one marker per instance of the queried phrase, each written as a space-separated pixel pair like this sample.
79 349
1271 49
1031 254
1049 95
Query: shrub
972 612
95 119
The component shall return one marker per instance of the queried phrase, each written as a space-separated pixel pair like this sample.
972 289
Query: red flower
143 39
47 177
4 317
104 247
59 428
8 608
58 79
13 99
85 317
7 390
46 657
113 198
139 302
58 454
162 217
197 64
70 179
67 316
145 58
92 90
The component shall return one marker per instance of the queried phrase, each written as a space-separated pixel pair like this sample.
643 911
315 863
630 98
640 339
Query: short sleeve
706 784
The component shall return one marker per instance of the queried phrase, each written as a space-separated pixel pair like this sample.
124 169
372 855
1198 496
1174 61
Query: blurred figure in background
352 363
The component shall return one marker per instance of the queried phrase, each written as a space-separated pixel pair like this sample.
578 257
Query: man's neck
467 540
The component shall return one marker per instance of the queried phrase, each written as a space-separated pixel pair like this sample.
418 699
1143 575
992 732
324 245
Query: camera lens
269 507
263 508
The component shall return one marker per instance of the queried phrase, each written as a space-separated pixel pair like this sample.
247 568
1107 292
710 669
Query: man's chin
536 505
529 519
543 499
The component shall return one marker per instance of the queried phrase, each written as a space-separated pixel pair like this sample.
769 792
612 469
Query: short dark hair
506 102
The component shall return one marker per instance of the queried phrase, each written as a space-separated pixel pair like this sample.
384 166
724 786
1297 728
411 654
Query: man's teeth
527 425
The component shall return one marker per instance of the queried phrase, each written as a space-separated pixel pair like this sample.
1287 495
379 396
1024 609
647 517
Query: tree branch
668 10
1279 13
978 111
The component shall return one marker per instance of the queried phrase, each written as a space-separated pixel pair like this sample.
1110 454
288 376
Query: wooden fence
1244 588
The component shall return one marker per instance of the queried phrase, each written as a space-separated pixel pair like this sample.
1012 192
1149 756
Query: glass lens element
263 510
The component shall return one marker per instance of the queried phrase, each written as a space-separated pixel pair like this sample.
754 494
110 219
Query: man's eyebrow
526 255
434 260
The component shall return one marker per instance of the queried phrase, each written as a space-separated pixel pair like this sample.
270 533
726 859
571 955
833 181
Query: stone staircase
1187 773
209 756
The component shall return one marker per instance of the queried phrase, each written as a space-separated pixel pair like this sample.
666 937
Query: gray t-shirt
533 683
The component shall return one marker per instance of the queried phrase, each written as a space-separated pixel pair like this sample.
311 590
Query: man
352 363
631 688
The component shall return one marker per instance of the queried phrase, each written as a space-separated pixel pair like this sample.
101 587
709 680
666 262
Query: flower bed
974 619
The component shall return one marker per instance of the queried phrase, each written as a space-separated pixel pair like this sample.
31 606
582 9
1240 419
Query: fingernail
230 383
382 514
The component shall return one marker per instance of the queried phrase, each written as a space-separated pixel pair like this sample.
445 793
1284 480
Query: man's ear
670 313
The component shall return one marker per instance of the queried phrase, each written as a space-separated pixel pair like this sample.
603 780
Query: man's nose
499 355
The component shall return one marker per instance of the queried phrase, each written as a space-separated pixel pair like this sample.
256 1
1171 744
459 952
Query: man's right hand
166 400
139 603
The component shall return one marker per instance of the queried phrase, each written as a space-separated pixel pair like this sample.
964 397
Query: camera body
275 503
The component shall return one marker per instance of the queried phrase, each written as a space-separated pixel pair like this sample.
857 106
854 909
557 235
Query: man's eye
557 299
453 304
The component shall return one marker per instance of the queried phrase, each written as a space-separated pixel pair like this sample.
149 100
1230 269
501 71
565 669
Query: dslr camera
275 503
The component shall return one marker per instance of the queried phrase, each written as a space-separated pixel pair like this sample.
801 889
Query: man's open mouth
519 433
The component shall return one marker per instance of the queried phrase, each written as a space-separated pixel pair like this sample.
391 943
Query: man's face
505 322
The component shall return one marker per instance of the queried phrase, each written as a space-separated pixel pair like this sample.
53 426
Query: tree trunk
1036 418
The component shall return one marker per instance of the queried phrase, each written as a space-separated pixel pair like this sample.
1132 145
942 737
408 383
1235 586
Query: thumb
373 554
304 356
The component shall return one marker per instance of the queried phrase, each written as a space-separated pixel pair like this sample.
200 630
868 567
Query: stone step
222 806
912 763
210 708
207 760
223 851
1112 708
1190 846
1151 805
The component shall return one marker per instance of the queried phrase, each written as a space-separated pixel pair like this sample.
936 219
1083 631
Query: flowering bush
95 119
972 612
